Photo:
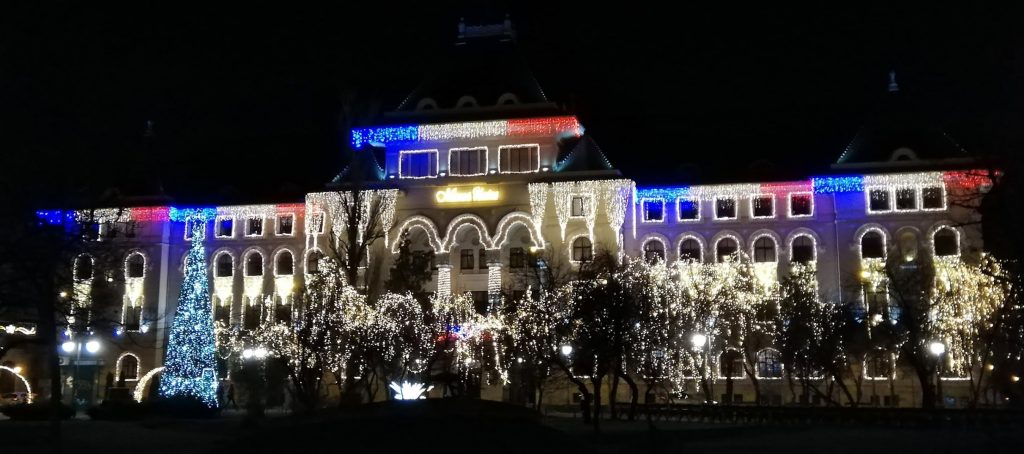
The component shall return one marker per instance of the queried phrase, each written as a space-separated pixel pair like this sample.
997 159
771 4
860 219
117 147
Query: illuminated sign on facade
466 195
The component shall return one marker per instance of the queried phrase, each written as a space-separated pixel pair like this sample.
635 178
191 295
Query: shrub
39 411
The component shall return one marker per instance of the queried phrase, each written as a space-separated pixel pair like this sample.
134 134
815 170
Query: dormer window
519 158
467 161
417 164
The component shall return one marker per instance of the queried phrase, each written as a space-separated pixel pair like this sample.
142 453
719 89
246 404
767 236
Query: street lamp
566 350
698 340
254 358
938 349
91 346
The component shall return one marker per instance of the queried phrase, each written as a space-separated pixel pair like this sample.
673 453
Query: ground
384 431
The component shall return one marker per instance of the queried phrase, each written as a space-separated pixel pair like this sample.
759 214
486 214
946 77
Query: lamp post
938 349
254 357
91 347
699 341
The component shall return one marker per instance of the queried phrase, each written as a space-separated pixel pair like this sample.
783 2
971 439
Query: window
516 257
467 161
878 366
906 199
316 221
801 204
726 247
225 227
519 158
132 318
83 268
193 224
285 264
731 364
689 249
223 266
725 208
313 262
872 245
129 367
878 200
466 259
481 262
654 210
253 315
582 250
254 264
285 224
135 266
417 164
876 300
946 243
579 206
933 198
802 249
762 206
688 209
654 251
254 227
222 311
764 250
282 310
769 364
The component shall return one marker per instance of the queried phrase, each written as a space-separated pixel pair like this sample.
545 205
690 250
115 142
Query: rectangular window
579 206
466 259
317 222
906 199
285 224
653 210
519 158
254 226
417 164
481 261
225 227
190 223
879 200
467 161
516 257
801 204
688 209
933 198
725 208
762 206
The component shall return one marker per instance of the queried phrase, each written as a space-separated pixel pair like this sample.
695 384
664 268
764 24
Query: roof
482 72
582 155
899 131
364 168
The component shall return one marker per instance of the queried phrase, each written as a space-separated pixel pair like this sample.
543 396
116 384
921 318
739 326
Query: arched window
313 262
764 250
872 245
224 266
802 249
769 363
654 250
254 264
135 266
689 249
83 267
128 367
582 250
946 243
730 364
285 265
726 247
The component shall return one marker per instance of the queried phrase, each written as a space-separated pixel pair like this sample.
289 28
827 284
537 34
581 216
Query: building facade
485 172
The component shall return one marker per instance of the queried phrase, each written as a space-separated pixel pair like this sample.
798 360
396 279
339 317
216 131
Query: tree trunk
613 397
634 395
596 381
585 400
927 389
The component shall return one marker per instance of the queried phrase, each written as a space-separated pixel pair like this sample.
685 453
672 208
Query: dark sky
247 102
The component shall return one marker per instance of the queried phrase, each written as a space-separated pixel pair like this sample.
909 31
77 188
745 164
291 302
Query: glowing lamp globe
698 340
937 348
567 350
92 346
68 347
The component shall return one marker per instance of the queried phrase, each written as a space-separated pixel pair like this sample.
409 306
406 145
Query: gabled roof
899 132
581 155
364 168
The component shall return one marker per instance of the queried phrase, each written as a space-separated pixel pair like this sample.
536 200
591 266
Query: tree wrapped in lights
190 368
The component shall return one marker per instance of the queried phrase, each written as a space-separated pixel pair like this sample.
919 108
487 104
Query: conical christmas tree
190 368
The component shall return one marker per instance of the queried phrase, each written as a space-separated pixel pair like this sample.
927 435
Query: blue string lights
838 184
190 368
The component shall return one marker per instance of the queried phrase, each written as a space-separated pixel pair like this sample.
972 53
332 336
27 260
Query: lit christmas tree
190 366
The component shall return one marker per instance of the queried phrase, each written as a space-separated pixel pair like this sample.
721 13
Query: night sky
246 103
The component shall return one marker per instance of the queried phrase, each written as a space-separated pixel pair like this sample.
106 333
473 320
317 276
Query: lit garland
528 127
190 366
28 388
444 279
538 205
120 359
